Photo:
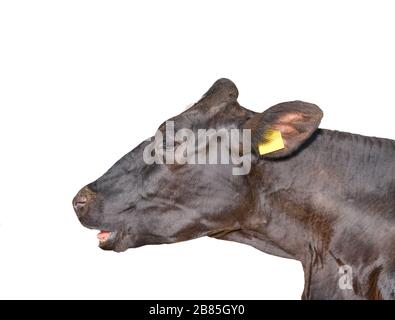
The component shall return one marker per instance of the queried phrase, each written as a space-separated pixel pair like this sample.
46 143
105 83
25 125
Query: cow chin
117 241
109 237
110 241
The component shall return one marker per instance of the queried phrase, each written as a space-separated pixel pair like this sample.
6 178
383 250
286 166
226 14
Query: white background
83 82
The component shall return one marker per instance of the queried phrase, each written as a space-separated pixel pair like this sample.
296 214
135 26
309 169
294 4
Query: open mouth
103 235
107 239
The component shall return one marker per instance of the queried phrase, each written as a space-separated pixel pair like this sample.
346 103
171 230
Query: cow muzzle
82 201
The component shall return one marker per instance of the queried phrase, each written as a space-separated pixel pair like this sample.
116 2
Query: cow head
138 202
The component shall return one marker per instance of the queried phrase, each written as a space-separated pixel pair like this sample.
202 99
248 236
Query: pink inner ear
285 123
284 128
290 117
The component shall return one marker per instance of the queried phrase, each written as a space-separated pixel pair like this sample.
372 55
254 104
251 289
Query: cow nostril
80 202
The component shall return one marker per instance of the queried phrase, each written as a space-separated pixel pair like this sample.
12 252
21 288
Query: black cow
326 198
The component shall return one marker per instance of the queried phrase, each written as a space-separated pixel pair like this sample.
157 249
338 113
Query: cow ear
222 91
283 128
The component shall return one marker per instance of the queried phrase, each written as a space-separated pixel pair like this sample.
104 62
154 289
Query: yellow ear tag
273 141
